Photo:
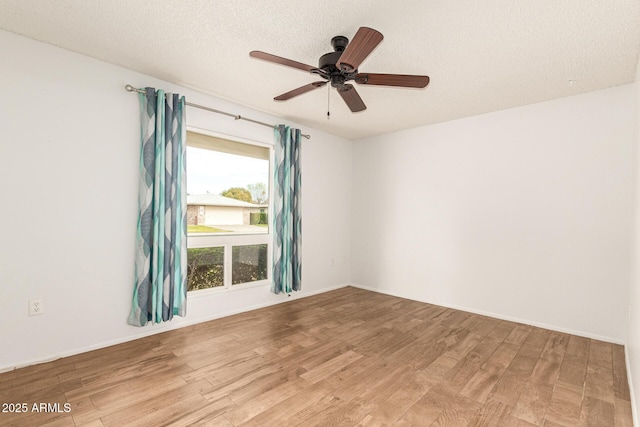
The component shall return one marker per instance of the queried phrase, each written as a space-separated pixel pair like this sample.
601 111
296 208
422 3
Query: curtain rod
130 88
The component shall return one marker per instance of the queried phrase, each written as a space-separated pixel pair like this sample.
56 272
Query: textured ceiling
481 55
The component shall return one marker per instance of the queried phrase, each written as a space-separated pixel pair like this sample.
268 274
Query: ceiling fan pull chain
328 96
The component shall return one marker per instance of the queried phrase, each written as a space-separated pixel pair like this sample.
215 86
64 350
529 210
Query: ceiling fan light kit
341 66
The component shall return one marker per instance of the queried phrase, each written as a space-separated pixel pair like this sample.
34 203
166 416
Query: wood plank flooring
343 358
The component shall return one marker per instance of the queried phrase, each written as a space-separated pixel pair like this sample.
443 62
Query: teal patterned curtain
161 244
287 222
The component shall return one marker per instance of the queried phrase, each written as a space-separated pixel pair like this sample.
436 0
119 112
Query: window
228 234
249 263
205 267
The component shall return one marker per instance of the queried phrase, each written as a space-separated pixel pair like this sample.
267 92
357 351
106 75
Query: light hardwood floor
347 357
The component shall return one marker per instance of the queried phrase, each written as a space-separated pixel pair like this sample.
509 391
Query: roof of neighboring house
217 200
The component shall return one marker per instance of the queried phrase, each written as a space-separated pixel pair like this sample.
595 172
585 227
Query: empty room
301 213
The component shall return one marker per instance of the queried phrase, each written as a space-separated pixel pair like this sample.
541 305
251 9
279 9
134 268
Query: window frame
229 240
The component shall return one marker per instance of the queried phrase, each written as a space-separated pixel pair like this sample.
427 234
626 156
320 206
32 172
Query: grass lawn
204 229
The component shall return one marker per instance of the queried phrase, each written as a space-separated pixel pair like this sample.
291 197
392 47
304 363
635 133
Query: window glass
205 268
249 263
227 212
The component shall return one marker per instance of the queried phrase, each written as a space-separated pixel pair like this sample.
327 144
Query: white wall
633 333
524 214
69 143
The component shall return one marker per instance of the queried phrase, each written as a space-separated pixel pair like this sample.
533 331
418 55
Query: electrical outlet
36 306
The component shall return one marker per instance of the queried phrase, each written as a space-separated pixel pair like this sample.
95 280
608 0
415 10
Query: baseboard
632 394
170 327
501 317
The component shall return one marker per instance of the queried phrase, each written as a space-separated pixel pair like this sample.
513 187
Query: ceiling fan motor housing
327 63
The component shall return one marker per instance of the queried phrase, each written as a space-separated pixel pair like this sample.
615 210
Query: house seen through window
227 212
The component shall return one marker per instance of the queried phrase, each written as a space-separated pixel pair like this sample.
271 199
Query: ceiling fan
341 66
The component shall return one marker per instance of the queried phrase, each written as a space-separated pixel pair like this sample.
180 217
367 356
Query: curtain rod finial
129 88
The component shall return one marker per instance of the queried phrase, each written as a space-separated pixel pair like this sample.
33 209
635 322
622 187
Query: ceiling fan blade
363 43
299 91
351 97
282 61
403 80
